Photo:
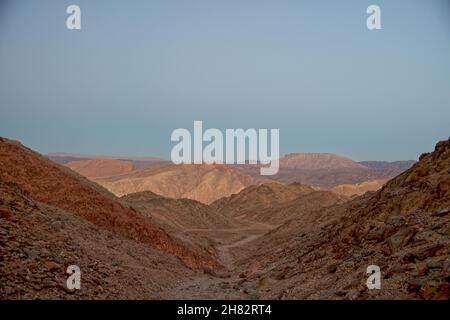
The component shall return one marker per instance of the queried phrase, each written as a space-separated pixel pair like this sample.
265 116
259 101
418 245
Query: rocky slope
404 228
181 217
59 187
38 242
178 214
274 203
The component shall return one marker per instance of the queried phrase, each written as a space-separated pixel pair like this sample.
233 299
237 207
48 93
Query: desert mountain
326 170
204 183
402 228
97 168
138 162
49 183
207 183
318 161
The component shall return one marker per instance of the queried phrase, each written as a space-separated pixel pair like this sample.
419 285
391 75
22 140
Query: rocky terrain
404 228
264 239
275 203
182 218
38 242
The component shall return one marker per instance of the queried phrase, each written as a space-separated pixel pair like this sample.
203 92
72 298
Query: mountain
138 162
318 161
392 167
326 170
205 183
97 168
402 228
47 182
123 175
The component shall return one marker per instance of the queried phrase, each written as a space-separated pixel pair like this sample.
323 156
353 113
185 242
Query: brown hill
97 168
403 228
275 203
54 185
178 214
205 183
259 197
181 217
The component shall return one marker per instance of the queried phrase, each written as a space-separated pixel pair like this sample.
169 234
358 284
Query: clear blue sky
139 69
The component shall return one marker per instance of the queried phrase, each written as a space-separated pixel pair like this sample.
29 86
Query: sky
137 70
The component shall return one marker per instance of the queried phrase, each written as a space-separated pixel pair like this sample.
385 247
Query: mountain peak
317 161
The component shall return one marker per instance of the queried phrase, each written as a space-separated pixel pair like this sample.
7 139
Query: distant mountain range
207 183
327 170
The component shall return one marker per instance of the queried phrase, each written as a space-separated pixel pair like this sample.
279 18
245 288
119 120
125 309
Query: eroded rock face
404 228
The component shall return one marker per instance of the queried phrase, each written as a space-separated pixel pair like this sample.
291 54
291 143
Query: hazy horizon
135 72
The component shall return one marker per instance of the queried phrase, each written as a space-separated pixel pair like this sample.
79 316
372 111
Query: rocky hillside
274 203
49 183
181 217
38 242
404 228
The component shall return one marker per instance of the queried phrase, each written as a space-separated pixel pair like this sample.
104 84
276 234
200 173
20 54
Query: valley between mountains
142 228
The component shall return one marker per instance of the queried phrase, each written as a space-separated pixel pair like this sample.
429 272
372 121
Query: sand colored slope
358 188
97 168
204 183
316 161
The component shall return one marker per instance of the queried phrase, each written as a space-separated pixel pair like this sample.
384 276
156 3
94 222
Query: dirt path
224 255
225 285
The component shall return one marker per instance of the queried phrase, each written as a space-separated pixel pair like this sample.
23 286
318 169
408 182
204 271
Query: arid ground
146 229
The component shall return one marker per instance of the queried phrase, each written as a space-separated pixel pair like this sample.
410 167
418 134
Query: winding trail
224 285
